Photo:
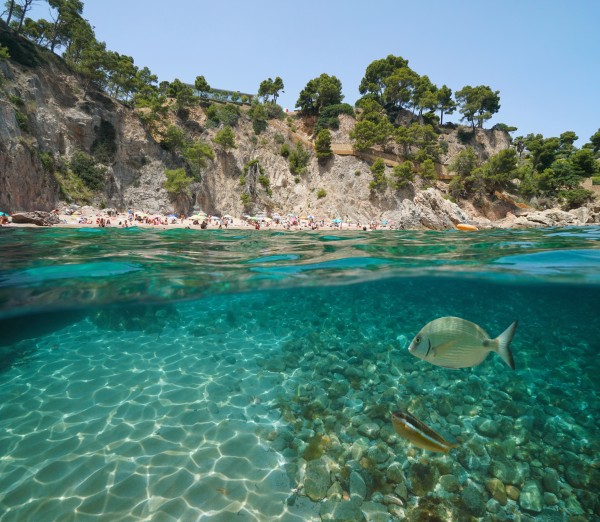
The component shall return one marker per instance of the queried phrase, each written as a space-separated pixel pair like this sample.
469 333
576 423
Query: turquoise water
250 375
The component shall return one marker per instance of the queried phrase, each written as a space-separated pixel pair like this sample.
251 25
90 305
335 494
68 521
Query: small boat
464 226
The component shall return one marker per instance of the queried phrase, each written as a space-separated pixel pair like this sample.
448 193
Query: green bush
259 126
173 138
298 159
328 118
178 182
575 198
245 198
285 150
85 168
47 160
266 183
464 135
323 144
321 193
226 138
218 114
16 101
22 121
595 180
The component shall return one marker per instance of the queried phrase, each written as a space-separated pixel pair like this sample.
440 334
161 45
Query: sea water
251 375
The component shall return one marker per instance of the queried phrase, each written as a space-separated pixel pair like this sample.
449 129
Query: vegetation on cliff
399 118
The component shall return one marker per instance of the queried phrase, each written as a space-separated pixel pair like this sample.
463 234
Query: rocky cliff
45 109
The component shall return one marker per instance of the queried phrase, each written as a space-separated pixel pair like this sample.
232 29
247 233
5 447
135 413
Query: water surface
201 375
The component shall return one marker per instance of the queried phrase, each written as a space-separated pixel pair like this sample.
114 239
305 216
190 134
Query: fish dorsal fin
441 349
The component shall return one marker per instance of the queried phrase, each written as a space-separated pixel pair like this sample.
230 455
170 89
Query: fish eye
417 340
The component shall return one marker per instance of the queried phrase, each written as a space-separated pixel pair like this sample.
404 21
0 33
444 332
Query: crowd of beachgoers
112 218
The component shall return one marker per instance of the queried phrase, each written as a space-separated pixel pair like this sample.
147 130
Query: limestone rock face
48 111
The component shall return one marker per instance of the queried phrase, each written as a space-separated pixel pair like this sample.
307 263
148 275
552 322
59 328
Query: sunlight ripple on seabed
125 431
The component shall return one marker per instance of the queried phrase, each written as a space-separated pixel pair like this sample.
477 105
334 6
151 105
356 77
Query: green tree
375 81
85 168
178 183
379 181
400 86
477 104
323 144
201 85
464 163
367 133
183 94
424 96
298 159
319 93
68 14
427 140
402 175
10 7
500 170
197 155
407 137
173 138
567 142
595 141
427 170
259 115
225 138
445 103
270 88
543 151
4 54
18 11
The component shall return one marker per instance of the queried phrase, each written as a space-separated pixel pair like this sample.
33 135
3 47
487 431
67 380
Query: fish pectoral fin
441 349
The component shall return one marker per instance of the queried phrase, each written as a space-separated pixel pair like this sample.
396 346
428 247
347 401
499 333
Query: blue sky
543 56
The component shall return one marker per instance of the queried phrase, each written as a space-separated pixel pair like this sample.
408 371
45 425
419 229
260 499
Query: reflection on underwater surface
70 268
267 395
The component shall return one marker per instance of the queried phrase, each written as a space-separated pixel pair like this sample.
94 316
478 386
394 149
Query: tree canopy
477 104
270 89
319 93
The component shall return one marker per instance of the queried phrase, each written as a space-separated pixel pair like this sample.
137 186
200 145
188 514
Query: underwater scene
228 375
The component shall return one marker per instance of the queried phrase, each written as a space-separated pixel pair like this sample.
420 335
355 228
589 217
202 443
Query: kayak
464 226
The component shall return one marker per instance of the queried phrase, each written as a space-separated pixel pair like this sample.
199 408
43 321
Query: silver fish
453 342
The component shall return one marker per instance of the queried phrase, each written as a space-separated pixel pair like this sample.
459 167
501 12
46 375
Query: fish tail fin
503 343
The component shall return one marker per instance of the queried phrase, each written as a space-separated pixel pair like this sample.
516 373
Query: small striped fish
419 433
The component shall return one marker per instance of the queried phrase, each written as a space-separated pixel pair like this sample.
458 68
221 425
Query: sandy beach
110 218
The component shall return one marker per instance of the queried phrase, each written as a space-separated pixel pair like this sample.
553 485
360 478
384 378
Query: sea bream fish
453 342
419 433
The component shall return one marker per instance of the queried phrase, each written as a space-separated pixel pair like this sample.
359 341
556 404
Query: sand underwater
242 375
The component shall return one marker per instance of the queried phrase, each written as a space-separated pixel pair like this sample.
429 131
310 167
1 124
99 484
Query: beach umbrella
3 214
336 220
172 216
227 216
